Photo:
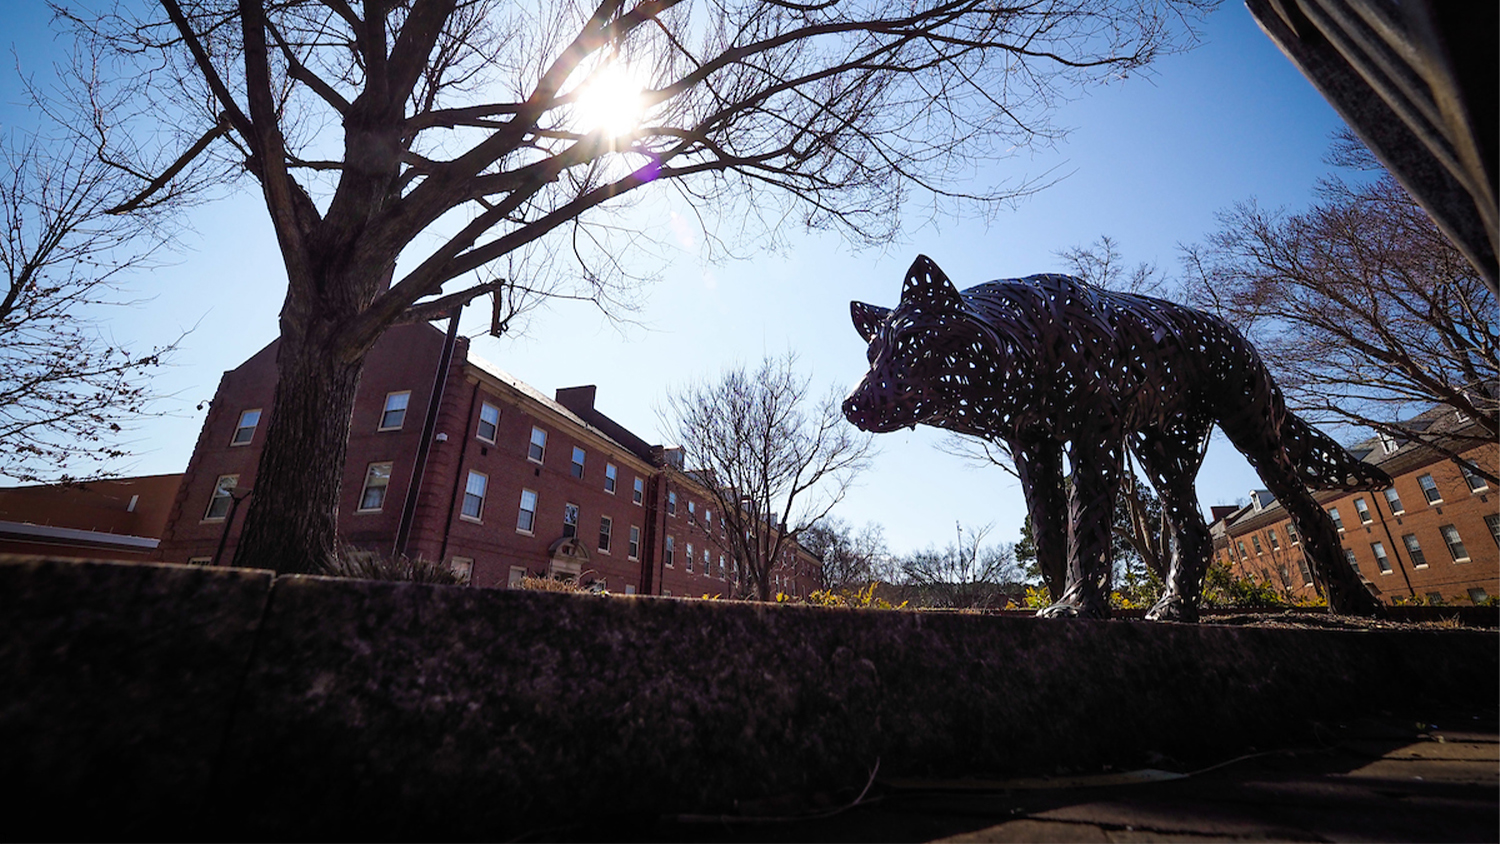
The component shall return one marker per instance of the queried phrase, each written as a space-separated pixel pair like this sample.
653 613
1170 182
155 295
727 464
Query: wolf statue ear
927 284
867 318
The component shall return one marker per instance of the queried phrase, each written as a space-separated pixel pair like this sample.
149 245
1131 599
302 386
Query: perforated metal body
1048 363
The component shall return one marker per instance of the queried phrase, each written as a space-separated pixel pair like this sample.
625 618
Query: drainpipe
1385 526
434 403
458 476
234 504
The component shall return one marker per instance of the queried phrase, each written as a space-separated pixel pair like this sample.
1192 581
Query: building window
1353 563
1291 533
1388 444
1255 542
606 527
474 496
517 577
245 431
377 479
1414 550
570 520
638 491
1394 499
1275 543
1338 522
707 562
692 512
1476 483
538 448
527 518
1492 521
578 456
1478 596
1430 490
394 414
1302 566
1455 544
220 501
1363 510
489 422
721 566
708 520
1381 561
1241 545
671 504
463 570
689 558
609 478
635 542
666 554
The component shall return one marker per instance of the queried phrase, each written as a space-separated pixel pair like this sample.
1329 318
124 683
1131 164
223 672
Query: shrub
373 565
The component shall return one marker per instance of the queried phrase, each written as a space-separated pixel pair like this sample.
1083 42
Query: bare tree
69 392
967 573
402 147
775 458
1364 311
850 558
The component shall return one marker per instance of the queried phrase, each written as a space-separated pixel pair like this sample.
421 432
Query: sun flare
610 101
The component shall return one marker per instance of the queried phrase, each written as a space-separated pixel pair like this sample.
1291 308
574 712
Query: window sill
1419 565
479 520
525 532
604 551
211 520
386 430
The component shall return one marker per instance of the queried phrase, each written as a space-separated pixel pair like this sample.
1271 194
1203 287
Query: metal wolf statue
1048 362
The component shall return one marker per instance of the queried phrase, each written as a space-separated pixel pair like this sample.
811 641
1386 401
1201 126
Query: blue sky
1149 161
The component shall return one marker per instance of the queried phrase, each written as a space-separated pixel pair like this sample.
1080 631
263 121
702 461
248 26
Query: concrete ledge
407 711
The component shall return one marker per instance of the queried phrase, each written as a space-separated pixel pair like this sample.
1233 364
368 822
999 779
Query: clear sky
1149 162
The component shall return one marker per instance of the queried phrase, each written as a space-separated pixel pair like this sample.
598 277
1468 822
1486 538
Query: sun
611 101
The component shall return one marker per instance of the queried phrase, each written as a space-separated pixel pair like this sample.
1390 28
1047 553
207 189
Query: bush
372 565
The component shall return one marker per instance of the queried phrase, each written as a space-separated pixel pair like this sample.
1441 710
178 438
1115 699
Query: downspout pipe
429 425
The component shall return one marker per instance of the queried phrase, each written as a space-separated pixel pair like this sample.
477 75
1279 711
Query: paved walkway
1374 780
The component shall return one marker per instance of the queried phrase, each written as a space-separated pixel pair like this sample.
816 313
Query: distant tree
775 457
69 393
1363 310
967 573
850 559
402 147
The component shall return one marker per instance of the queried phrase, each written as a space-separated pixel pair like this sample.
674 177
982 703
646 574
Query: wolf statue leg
1097 460
1172 461
1039 467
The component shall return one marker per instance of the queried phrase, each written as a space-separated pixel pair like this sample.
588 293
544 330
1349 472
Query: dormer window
1388 444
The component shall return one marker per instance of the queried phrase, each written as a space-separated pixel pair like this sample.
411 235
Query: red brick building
1434 534
121 518
515 482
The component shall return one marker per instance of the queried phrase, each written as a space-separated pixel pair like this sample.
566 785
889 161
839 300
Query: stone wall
167 700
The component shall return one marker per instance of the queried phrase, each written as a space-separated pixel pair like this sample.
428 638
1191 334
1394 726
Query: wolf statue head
927 356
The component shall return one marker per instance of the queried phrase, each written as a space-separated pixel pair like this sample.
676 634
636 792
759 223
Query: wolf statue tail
1293 459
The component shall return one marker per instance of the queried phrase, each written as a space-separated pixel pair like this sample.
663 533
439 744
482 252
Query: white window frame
224 487
1459 540
242 425
689 565
462 569
1393 501
634 548
536 451
1382 561
1338 521
387 409
1471 478
484 408
708 563
515 577
1275 543
571 516
1414 550
580 458
638 491
484 483
672 504
606 533
526 516
668 550
1255 543
611 475
384 488
1362 510
1430 485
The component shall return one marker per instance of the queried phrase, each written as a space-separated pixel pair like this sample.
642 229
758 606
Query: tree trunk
296 529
